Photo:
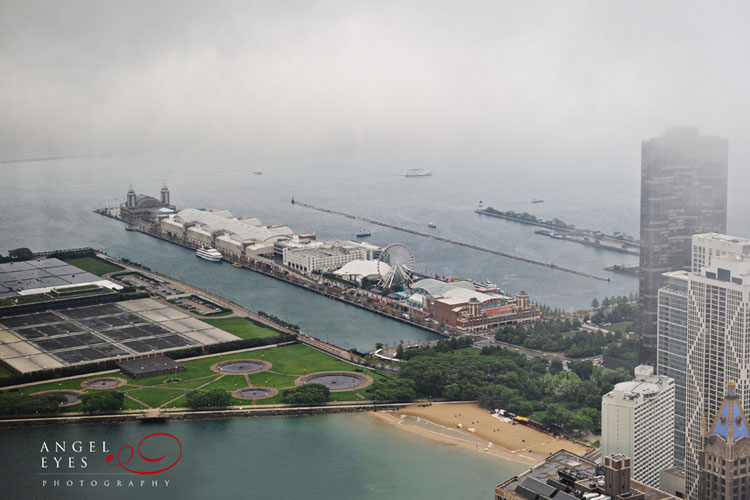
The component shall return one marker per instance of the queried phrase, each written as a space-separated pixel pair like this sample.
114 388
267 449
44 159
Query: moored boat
208 253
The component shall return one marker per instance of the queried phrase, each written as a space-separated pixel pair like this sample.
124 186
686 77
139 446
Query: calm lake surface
48 205
319 457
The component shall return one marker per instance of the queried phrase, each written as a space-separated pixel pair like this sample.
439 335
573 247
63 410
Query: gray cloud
553 84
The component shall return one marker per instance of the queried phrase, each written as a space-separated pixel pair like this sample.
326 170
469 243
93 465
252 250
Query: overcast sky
556 82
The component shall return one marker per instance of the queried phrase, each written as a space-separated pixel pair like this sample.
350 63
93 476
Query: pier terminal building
236 237
310 256
139 206
461 306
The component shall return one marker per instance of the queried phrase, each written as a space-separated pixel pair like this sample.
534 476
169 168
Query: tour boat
209 253
258 172
417 172
432 225
364 233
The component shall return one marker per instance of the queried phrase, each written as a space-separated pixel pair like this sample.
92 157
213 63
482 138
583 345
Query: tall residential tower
683 192
718 351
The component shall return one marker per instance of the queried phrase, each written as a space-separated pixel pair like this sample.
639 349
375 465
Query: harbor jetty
528 260
559 230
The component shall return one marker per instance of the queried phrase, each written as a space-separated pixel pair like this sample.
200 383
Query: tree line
567 401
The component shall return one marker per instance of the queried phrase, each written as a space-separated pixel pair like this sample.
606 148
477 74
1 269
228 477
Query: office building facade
683 192
672 349
718 350
638 421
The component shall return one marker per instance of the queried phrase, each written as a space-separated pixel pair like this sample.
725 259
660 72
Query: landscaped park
251 377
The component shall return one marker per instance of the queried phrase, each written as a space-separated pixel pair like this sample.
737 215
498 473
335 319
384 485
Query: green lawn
298 359
243 328
288 362
129 404
193 383
155 397
73 384
265 379
344 396
94 265
228 383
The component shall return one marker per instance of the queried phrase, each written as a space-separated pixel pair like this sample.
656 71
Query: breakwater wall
550 265
586 237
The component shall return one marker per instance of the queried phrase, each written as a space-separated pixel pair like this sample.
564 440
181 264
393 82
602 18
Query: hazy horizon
574 85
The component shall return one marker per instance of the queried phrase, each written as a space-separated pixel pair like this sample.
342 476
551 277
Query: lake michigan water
48 205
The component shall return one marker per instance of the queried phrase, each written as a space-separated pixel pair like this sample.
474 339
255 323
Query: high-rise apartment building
638 421
709 245
672 321
683 192
726 449
718 350
672 349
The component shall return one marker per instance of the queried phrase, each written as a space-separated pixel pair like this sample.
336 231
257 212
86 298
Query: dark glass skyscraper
683 192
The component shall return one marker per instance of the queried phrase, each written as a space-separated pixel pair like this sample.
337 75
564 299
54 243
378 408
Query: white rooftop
362 268
238 229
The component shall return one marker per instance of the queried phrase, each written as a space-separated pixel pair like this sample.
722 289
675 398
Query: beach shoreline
489 435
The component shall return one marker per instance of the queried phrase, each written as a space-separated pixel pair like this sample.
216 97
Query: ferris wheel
395 265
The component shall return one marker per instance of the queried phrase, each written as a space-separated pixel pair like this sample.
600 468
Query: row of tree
500 378
551 337
442 345
16 403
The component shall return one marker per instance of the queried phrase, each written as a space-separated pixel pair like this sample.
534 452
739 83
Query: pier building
138 206
461 306
319 256
236 237
358 270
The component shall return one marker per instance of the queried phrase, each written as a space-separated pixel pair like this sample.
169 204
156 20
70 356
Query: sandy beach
514 442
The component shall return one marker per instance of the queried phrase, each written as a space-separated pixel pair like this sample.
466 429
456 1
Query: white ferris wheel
395 265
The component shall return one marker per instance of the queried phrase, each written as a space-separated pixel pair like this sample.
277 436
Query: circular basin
241 366
103 383
71 397
254 393
336 381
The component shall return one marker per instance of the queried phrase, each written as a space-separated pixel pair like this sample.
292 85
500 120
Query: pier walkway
550 265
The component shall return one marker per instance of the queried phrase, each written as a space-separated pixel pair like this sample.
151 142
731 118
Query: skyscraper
683 192
710 245
672 321
638 421
718 350
672 338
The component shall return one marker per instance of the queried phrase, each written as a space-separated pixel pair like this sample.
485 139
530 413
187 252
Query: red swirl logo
122 464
